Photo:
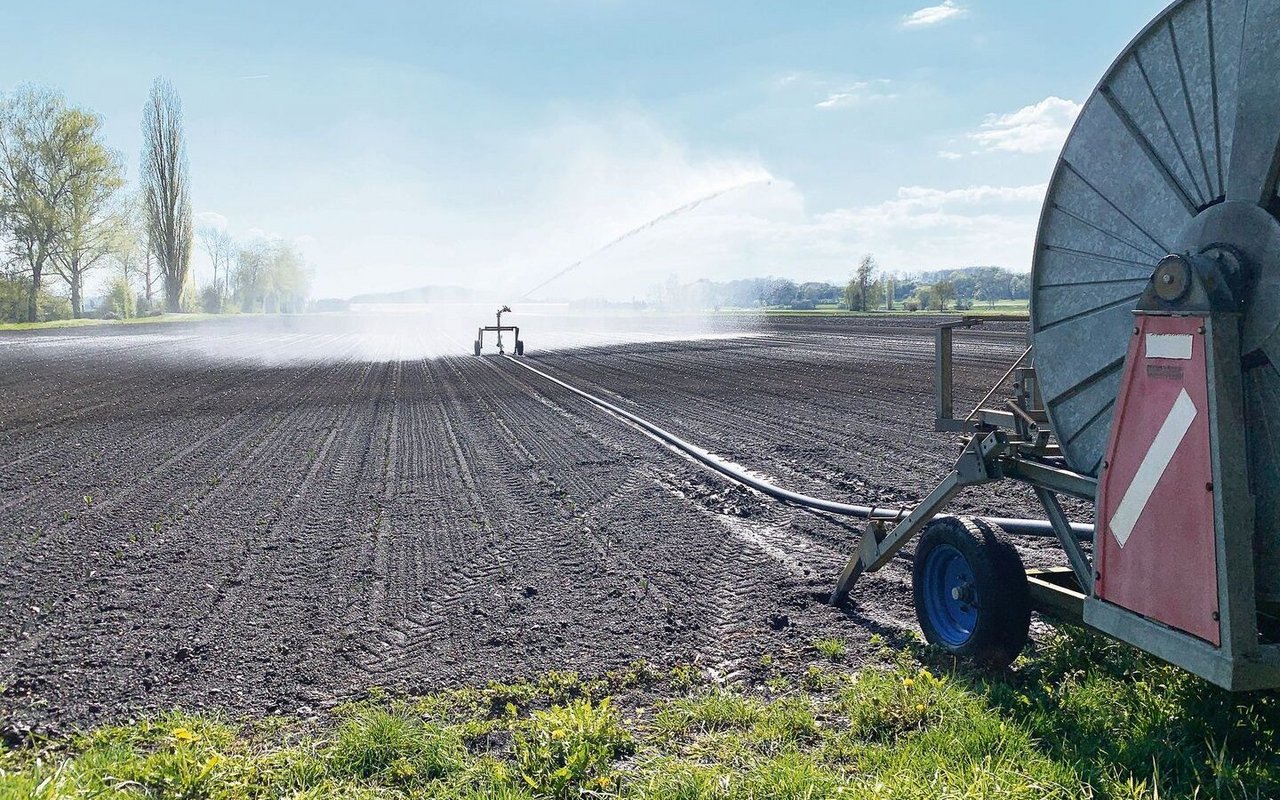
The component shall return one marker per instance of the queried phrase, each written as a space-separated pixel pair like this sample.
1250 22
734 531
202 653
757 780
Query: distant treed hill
972 283
965 285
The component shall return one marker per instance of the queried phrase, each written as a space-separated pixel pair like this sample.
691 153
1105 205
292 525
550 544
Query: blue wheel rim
950 597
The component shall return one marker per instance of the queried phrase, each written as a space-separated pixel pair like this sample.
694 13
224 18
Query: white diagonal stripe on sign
1152 468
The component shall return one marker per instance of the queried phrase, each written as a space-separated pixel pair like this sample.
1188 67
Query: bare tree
252 265
48 154
150 276
128 253
132 255
866 271
221 249
166 189
271 277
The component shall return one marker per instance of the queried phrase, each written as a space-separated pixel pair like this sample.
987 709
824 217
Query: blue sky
403 144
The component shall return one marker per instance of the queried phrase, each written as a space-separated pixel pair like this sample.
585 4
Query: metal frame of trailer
1151 384
1015 442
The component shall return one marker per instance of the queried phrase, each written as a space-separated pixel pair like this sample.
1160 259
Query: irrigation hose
1023 527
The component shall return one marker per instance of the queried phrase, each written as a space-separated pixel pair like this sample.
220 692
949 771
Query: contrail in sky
651 223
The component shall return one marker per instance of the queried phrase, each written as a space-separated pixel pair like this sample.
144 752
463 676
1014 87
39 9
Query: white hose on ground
1025 527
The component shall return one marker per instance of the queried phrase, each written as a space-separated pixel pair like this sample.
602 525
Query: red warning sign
1156 543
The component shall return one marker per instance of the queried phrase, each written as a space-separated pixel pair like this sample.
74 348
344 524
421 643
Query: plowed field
273 515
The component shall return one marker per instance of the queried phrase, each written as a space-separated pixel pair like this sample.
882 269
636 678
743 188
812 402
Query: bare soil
271 516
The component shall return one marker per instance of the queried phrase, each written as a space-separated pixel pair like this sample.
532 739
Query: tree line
869 288
66 215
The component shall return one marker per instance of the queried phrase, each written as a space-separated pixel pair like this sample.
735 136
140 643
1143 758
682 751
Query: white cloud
1038 128
950 155
926 228
837 99
617 175
856 94
932 15
210 219
836 91
927 197
765 229
563 191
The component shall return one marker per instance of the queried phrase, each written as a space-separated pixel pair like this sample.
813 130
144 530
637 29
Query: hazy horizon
400 145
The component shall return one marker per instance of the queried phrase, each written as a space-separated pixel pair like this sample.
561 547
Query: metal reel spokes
1175 150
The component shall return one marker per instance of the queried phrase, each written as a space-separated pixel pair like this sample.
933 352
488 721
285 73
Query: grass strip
1078 717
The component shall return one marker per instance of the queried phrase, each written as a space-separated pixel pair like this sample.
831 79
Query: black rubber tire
999 582
477 346
520 347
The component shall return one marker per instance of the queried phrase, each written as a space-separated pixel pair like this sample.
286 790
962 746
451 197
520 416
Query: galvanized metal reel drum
1174 151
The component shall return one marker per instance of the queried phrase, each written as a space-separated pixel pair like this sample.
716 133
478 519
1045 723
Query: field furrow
272 518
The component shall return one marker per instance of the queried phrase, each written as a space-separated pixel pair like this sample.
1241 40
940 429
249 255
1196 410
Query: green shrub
210 300
13 302
189 297
52 306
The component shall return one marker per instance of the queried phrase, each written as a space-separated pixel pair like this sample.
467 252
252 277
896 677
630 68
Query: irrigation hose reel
1155 333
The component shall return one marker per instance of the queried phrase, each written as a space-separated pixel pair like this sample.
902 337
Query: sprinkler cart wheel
970 590
477 343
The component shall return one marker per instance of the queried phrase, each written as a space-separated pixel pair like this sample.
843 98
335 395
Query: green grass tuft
715 710
830 648
395 748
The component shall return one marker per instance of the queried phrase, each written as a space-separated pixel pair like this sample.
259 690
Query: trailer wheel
520 347
477 347
971 591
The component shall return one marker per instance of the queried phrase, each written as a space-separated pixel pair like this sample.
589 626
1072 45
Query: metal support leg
943 403
873 553
1062 528
976 465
